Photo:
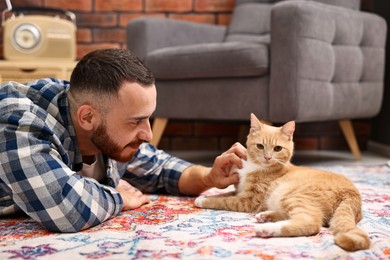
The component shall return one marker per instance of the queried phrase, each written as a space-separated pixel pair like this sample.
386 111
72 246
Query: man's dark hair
104 71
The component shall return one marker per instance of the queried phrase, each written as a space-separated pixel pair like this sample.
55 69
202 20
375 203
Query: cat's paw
270 229
263 217
198 201
263 232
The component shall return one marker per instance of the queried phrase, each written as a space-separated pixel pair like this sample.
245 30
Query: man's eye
260 146
278 148
137 122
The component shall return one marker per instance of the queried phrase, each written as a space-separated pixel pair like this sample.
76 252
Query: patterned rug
172 228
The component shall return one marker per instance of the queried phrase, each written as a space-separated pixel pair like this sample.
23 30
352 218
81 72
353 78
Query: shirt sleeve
34 173
154 171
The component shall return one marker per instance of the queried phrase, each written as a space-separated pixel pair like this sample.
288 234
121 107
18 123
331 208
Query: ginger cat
292 200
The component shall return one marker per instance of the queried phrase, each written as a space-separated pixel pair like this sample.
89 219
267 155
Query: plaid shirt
40 159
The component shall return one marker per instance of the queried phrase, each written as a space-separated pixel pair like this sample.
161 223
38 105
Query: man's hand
132 197
220 175
196 179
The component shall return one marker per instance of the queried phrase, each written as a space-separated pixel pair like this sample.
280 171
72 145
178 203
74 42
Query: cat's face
268 145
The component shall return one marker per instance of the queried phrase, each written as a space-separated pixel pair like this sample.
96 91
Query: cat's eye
278 148
260 146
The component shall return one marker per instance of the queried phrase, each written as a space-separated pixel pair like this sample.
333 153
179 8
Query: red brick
226 142
97 20
21 3
318 129
332 143
224 19
109 35
179 128
362 127
83 49
164 144
306 143
118 5
124 19
84 6
216 129
367 5
176 140
84 35
214 5
197 18
1 43
191 143
168 5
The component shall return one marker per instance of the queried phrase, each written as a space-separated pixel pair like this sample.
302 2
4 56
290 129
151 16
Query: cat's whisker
279 161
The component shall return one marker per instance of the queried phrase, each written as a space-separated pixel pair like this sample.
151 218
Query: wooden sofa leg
349 134
158 128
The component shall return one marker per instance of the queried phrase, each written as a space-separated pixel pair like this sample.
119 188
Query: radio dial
27 36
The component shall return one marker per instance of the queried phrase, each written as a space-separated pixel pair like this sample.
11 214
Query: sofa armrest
144 35
327 62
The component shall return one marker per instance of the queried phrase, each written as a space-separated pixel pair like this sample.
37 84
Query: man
75 154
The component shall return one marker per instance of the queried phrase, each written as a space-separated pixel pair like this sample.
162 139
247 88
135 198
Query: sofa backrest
250 20
353 4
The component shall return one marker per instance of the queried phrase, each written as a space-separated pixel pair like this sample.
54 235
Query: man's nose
146 132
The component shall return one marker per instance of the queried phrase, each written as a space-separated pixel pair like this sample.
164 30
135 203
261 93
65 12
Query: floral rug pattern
172 228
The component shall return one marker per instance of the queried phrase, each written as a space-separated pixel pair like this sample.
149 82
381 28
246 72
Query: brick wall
101 24
209 135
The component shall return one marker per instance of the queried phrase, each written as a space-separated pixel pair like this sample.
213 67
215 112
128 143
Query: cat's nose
267 158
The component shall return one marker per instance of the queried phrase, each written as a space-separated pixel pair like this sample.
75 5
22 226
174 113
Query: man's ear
87 117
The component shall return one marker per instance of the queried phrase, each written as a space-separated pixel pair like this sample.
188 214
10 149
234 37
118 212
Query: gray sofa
282 60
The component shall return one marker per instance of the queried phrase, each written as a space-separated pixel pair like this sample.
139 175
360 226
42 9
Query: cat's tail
343 225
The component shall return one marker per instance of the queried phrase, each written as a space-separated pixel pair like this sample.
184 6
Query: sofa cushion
209 60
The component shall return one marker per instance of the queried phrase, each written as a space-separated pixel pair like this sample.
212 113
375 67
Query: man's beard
107 146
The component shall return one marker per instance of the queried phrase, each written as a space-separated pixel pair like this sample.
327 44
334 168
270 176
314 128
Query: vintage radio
31 36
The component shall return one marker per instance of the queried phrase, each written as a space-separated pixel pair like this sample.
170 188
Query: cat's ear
255 123
288 129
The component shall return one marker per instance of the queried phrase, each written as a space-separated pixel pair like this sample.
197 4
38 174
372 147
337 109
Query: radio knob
27 36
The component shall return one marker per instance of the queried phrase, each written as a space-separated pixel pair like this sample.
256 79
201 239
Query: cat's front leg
212 202
232 203
198 201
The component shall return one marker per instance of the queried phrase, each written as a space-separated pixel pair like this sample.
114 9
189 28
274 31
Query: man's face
126 125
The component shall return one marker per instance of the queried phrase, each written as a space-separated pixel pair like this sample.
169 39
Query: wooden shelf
23 71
